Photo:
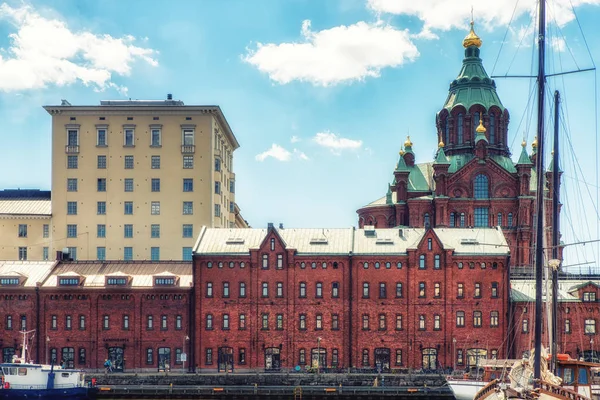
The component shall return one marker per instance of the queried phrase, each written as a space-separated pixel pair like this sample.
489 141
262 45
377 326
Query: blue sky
320 94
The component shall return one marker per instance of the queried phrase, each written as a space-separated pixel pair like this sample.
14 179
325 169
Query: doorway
429 356
318 358
164 358
382 359
272 359
116 356
225 359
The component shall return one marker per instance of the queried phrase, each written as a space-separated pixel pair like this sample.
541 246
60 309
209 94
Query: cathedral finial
408 143
524 143
472 39
480 128
534 144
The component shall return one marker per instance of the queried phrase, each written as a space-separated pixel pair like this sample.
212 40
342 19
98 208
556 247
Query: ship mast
539 242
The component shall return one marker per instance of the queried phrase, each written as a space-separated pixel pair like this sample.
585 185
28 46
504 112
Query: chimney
280 225
270 225
169 96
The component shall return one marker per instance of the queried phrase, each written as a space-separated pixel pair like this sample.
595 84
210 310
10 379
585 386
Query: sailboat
543 377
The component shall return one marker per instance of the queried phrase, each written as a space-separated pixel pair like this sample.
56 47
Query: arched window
447 130
460 128
422 261
481 187
451 220
475 122
462 220
509 223
492 128
499 219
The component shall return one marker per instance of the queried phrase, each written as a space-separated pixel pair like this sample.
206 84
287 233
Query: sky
321 94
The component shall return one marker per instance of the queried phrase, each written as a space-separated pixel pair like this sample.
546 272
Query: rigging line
560 33
505 35
595 206
571 72
582 35
523 37
523 117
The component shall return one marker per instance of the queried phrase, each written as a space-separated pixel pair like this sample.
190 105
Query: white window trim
125 129
156 127
72 127
185 128
105 129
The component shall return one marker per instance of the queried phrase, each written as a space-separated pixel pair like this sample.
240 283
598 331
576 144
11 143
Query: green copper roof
524 158
473 85
551 166
505 163
388 196
441 158
517 296
458 161
417 181
480 136
401 166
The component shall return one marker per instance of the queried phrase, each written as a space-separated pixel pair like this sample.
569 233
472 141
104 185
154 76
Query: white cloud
277 152
336 55
44 51
444 15
295 139
335 142
300 155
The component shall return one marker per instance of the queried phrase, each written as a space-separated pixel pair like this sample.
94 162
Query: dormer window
117 281
6 281
68 281
164 281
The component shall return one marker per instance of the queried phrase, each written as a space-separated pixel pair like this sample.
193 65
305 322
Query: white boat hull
465 389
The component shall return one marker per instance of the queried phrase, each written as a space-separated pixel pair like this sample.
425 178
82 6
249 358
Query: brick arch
504 190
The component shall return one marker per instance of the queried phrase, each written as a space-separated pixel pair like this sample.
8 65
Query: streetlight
183 353
454 354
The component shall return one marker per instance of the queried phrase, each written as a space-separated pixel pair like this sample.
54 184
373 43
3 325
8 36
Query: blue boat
22 379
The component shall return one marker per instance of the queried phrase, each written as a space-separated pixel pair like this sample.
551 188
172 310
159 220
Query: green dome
473 85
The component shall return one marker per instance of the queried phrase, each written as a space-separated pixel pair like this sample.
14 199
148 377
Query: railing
188 149
72 149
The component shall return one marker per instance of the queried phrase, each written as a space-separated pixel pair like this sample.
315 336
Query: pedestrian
108 365
62 363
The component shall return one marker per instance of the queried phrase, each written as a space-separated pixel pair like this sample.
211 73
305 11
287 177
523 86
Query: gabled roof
26 207
386 241
473 240
523 290
582 285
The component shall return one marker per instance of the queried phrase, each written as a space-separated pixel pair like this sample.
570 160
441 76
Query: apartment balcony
188 149
72 149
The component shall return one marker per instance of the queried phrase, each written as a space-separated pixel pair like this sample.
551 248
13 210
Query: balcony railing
188 149
72 149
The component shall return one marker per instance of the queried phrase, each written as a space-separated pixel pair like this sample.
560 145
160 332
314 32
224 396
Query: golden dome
534 144
472 39
480 128
524 143
402 152
441 144
408 143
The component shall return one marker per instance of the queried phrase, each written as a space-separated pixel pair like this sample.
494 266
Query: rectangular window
398 289
128 208
155 162
460 319
106 322
149 356
9 324
188 137
365 322
398 322
398 357
128 162
163 323
382 290
155 185
101 137
590 327
422 290
242 356
422 322
72 162
494 290
437 324
302 323
188 230
128 183
72 137
101 208
382 322
188 185
217 210
217 187
460 290
155 137
71 184
101 185
72 231
232 186
477 292
217 164
22 230
22 253
155 253
335 290
186 253
188 162
335 322
54 322
101 230
188 208
265 321
128 253
149 322
155 208
482 217
125 322
494 317
101 253
101 162
231 206
128 231
477 319
82 322
155 231
209 356
45 253
178 322
72 253
129 137
279 322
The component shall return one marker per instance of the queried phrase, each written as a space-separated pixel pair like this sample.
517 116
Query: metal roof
140 272
25 207
35 271
489 241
